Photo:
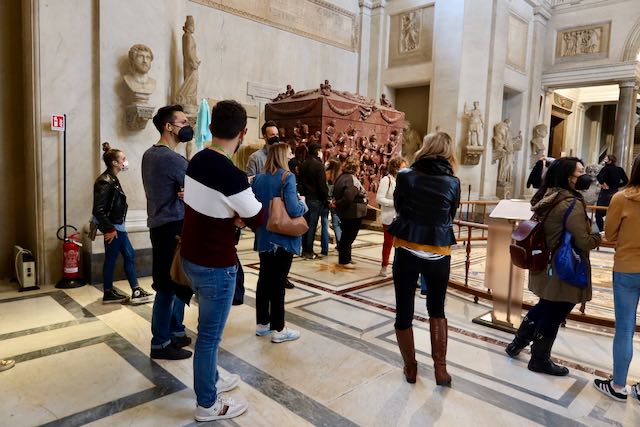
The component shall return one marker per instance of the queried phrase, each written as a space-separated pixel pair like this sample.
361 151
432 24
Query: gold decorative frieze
315 19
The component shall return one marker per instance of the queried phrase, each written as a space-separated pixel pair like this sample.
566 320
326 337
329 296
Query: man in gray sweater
163 172
255 164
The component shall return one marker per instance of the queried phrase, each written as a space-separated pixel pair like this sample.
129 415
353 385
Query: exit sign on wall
58 122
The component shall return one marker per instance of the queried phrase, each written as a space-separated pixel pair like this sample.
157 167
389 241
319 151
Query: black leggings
406 269
350 228
549 315
274 269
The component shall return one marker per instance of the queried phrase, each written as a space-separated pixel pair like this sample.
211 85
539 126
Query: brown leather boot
408 351
439 333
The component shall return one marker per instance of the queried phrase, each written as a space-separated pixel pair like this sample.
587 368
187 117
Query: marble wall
83 55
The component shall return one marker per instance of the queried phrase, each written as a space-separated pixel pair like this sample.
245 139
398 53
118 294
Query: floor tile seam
46 328
61 348
359 385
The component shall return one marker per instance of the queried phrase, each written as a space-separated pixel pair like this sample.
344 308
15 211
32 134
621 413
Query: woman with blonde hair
426 199
276 250
350 200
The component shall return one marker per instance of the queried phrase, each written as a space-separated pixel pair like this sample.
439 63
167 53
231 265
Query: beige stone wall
12 210
83 49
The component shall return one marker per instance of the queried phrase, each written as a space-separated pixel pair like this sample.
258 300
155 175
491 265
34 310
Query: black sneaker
122 294
170 352
140 296
289 285
606 387
113 297
182 341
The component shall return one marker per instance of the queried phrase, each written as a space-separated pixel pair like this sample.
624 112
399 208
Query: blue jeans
324 233
167 316
626 292
111 250
312 216
214 288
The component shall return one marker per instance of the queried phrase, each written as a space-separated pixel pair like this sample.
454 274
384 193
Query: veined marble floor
80 362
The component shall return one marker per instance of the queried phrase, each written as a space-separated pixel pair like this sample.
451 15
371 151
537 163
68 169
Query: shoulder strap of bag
568 212
284 177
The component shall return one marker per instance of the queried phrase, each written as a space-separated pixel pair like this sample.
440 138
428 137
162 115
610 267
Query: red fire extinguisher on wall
71 247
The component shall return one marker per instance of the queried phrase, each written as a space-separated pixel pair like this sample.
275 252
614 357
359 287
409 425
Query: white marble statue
138 81
409 32
537 142
188 92
503 150
474 134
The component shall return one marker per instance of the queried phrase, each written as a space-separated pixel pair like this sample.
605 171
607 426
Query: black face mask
185 134
273 140
583 182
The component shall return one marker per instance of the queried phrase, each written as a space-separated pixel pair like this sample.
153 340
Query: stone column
377 54
624 130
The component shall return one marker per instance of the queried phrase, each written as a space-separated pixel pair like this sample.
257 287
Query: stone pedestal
137 116
471 154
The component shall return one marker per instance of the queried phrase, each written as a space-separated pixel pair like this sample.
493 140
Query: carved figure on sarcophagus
344 124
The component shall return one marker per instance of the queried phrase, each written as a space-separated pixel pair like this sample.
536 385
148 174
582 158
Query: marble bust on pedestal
141 86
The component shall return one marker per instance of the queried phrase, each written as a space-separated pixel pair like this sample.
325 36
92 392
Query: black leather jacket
109 202
426 199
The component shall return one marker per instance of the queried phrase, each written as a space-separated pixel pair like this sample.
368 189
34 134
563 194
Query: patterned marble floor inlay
83 363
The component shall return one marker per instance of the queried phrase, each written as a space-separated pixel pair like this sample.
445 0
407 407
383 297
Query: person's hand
332 204
238 222
108 237
302 198
250 178
181 195
605 186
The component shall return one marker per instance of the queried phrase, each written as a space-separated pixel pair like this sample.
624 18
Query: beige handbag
177 271
279 220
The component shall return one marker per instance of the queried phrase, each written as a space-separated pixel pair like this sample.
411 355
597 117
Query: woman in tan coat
623 228
557 298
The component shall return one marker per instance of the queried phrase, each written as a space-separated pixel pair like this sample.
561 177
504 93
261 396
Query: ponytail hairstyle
109 155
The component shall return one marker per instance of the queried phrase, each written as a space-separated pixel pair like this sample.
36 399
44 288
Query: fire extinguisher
71 247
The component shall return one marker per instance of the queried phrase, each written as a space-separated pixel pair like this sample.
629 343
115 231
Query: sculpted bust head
139 82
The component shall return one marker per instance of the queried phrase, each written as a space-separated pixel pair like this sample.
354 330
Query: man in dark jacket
313 186
611 178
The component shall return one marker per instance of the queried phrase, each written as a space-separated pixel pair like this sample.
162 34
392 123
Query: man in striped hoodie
218 199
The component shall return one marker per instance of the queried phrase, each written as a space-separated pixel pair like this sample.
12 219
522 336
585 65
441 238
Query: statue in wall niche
411 141
138 112
474 115
503 150
517 141
188 93
537 142
409 32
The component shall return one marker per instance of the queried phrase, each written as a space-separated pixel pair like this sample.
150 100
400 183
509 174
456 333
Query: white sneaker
223 409
285 335
350 266
227 382
421 295
262 330
384 272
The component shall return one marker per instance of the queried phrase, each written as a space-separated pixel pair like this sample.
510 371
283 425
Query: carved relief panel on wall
344 124
583 43
411 37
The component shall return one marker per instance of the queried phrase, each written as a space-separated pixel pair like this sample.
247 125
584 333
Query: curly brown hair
351 165
395 163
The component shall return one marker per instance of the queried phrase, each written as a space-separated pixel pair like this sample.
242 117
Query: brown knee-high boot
408 351
439 333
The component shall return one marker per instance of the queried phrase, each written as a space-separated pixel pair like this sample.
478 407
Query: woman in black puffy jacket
426 199
109 213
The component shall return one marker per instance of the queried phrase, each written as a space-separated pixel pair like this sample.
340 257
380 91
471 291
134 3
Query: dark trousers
312 216
604 198
549 315
350 228
168 311
406 269
274 268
